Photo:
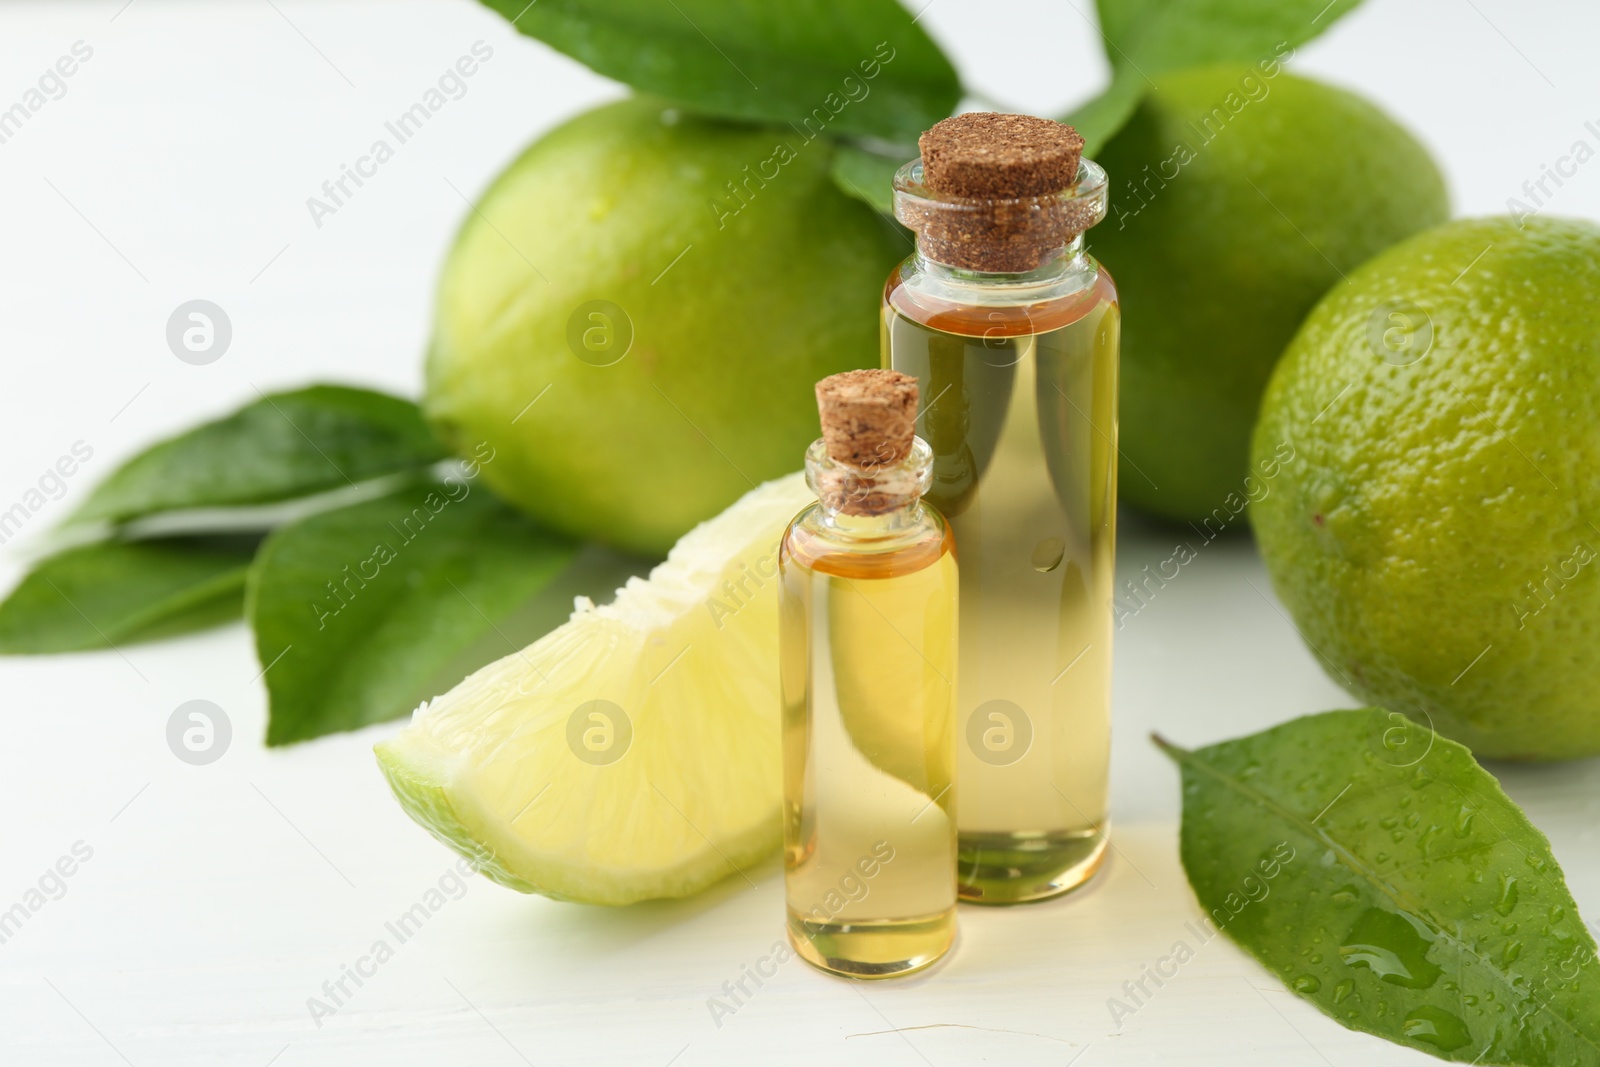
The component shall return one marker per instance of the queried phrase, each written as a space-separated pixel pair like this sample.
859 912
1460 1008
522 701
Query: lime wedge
632 753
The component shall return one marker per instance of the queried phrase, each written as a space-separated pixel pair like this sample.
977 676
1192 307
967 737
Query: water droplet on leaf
1436 1027
1391 947
1508 895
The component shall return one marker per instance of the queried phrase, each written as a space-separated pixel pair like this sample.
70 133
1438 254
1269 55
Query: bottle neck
847 527
1068 261
927 281
870 502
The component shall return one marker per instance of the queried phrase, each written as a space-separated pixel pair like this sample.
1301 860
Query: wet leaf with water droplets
1420 919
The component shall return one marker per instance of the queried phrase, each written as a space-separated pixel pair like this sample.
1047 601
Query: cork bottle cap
868 417
1001 193
988 155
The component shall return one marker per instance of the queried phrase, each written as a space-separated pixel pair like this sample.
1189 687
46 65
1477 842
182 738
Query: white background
219 899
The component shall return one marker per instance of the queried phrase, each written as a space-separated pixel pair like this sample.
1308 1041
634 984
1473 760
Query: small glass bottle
1012 331
868 602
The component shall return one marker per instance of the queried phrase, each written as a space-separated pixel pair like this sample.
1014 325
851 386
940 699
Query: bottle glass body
868 663
1018 378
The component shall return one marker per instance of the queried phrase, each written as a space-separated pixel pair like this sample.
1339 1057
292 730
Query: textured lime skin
715 393
1433 533
1219 259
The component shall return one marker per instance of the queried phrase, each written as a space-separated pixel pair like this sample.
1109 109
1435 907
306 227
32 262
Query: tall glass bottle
868 601
1012 331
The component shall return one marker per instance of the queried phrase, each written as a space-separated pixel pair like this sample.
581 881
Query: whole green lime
1237 199
633 317
1425 484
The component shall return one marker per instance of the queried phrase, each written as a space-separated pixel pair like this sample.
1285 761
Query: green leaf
358 610
117 592
1380 873
867 175
1145 39
1100 118
280 447
845 66
1156 36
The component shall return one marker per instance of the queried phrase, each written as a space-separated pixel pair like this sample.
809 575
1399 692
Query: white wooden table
216 900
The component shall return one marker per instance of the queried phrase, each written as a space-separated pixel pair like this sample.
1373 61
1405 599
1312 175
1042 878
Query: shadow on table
601 928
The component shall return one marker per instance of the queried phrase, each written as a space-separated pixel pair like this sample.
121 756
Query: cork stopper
986 155
999 193
869 417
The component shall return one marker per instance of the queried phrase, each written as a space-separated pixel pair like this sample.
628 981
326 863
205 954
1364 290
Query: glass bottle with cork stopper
1012 330
868 616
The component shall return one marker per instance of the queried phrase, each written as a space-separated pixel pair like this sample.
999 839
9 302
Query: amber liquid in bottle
1019 405
868 616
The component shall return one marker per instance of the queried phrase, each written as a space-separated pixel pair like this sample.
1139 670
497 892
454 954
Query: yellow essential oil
1018 376
868 606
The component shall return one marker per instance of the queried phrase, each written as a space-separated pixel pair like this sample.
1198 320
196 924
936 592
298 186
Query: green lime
1237 200
634 752
1425 484
634 315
